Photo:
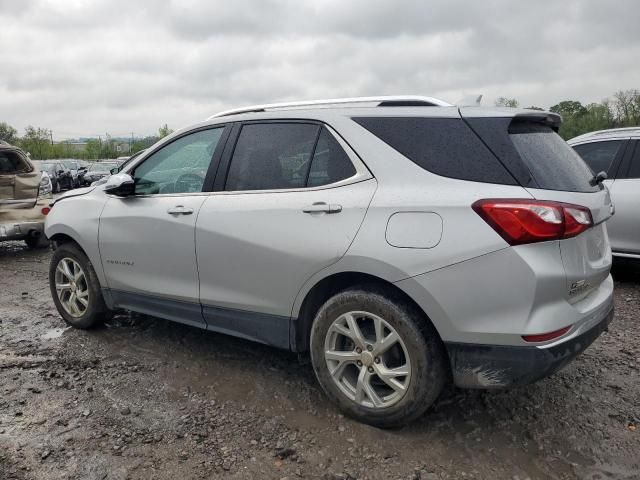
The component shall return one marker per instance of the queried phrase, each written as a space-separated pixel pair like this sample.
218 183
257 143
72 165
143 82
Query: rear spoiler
548 119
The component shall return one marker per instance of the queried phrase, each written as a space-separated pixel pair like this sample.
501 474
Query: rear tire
367 382
37 242
75 288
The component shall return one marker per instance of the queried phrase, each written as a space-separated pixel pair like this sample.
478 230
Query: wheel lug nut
359 363
377 360
358 350
369 347
370 369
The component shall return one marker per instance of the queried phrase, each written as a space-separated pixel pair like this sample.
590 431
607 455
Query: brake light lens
45 210
521 221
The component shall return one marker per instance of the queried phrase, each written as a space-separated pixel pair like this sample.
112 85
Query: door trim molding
264 328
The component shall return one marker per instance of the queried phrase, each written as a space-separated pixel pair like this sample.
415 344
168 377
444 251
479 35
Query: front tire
75 288
377 356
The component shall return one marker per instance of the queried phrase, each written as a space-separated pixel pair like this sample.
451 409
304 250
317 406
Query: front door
147 241
292 204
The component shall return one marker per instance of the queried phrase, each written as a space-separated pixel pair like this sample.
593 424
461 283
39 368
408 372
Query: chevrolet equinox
402 241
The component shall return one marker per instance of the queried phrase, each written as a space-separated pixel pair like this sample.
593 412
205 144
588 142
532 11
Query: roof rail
608 131
616 130
384 101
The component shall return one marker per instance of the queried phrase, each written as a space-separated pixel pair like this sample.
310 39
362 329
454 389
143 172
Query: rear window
444 146
553 164
534 153
11 163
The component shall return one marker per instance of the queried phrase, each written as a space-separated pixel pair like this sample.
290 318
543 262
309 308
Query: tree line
39 144
620 110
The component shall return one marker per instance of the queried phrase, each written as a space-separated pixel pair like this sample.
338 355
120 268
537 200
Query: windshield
70 164
101 167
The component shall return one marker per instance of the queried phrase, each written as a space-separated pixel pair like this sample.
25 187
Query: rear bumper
20 230
500 366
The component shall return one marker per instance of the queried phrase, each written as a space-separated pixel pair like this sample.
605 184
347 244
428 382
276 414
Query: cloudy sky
83 68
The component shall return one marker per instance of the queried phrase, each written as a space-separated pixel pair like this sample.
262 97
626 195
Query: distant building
76 146
122 147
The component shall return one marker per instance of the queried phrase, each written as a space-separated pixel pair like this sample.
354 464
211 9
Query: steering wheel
188 183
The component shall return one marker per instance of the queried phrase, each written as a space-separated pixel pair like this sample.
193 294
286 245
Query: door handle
180 210
322 207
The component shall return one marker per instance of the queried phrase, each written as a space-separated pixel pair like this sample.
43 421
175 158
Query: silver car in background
402 241
617 153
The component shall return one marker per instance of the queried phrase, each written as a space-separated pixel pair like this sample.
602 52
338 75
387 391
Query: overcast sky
83 68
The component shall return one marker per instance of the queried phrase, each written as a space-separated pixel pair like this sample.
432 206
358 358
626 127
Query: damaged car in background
25 194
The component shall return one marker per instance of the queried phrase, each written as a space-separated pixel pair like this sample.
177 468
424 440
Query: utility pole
51 136
131 143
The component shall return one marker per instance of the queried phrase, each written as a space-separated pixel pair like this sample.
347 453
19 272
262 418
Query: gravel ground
145 398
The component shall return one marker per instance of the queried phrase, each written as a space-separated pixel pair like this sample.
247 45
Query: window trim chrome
362 172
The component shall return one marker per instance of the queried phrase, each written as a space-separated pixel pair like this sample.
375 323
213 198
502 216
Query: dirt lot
145 398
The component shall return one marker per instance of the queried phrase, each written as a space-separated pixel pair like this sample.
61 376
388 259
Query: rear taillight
521 221
45 210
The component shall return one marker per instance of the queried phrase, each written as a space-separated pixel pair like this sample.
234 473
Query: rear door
607 156
19 180
290 203
551 170
624 227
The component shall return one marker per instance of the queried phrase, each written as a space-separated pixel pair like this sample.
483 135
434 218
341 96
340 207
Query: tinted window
330 162
272 156
179 167
599 155
444 146
634 170
553 164
11 162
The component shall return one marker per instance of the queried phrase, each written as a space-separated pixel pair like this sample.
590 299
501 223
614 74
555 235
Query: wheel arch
329 286
61 234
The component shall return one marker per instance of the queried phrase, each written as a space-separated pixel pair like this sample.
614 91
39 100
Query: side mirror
114 170
60 172
121 185
82 169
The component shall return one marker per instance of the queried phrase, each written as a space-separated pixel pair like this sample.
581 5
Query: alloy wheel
367 359
72 287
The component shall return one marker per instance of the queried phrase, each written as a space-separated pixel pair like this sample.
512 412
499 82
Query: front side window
179 167
599 155
273 156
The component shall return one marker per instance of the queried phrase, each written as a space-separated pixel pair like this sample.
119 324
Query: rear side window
553 164
330 162
275 156
599 155
634 170
444 146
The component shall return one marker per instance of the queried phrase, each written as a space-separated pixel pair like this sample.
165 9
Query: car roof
401 106
611 133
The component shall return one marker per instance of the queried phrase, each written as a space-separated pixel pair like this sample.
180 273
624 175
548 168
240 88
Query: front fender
79 219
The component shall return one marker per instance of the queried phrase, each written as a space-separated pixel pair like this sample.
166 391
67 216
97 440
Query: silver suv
402 241
617 153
